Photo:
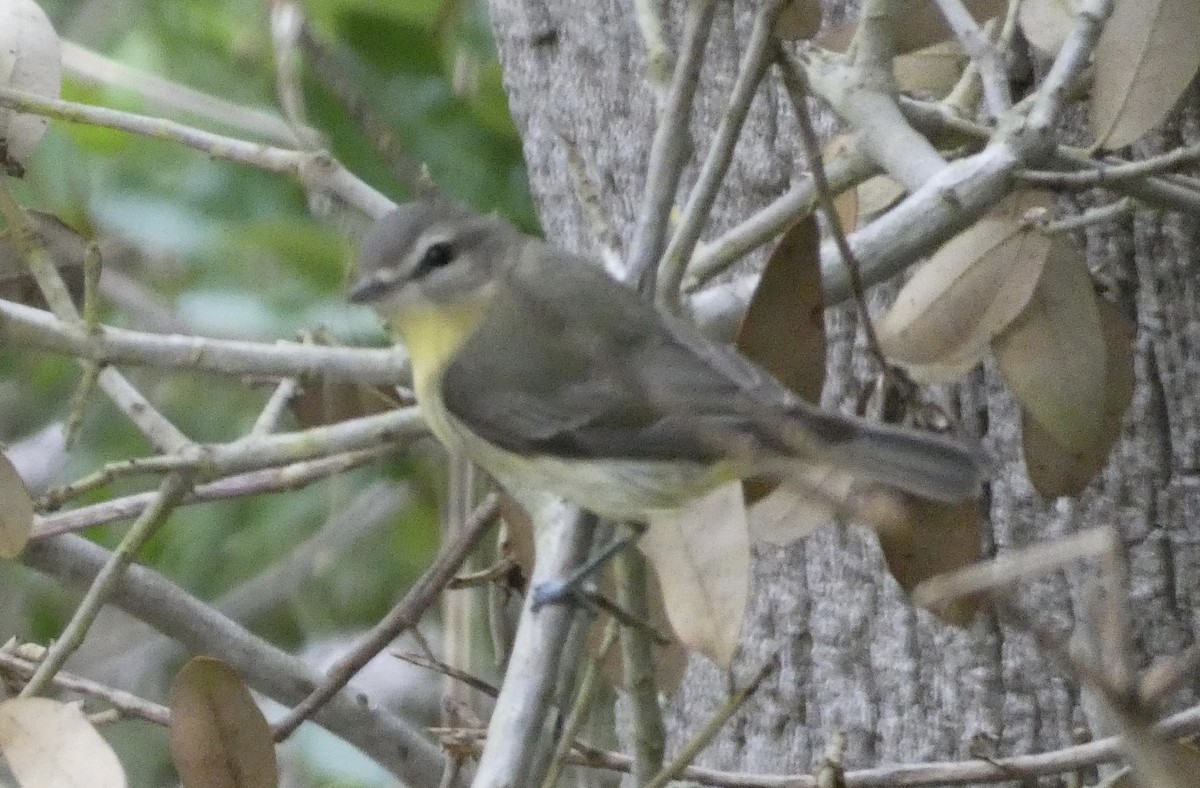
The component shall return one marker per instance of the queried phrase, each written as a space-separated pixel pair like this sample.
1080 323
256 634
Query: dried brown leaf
784 327
1145 58
1053 356
846 207
49 744
798 506
953 368
1155 762
1046 23
922 538
971 289
701 553
931 71
219 738
1055 470
16 511
918 24
876 195
322 402
799 19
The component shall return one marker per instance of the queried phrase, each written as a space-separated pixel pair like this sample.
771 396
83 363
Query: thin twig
403 616
127 703
1013 566
588 685
670 147
148 596
706 734
268 418
173 487
658 54
256 452
1104 213
631 577
1106 174
315 168
759 51
287 20
161 433
474 682
712 258
459 611
918 775
797 89
35 328
983 52
598 222
79 399
338 77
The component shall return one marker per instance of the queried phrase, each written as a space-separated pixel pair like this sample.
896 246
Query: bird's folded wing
576 365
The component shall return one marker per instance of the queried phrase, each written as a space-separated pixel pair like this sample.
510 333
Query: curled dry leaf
1145 58
16 511
30 61
219 738
1053 356
1046 23
970 290
48 743
1055 470
701 553
922 538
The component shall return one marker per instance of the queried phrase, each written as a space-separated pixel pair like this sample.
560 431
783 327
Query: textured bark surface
855 656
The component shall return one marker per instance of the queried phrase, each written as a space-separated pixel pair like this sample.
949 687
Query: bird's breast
432 336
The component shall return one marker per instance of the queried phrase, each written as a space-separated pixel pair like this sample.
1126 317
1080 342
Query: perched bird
550 374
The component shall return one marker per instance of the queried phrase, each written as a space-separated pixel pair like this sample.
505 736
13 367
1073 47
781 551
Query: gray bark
855 655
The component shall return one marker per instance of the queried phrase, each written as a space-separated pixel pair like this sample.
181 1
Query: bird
552 375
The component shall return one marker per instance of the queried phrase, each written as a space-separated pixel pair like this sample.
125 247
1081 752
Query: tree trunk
855 655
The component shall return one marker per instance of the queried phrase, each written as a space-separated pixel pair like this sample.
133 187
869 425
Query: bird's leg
567 590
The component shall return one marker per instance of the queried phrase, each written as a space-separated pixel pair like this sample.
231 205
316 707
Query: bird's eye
437 255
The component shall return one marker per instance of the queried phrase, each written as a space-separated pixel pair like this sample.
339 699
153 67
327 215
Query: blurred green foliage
227 250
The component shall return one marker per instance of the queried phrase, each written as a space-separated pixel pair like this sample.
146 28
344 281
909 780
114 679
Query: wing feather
591 370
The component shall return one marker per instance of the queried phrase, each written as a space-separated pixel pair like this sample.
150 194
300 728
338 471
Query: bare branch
146 595
671 146
759 51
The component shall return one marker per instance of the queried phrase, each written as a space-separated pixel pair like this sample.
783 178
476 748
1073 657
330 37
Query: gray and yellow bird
551 375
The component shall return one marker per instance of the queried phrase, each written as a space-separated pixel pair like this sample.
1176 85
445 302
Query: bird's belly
620 489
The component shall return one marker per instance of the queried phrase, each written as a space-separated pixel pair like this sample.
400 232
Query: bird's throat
433 335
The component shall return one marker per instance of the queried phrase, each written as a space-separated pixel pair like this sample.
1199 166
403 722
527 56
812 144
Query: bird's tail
923 463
